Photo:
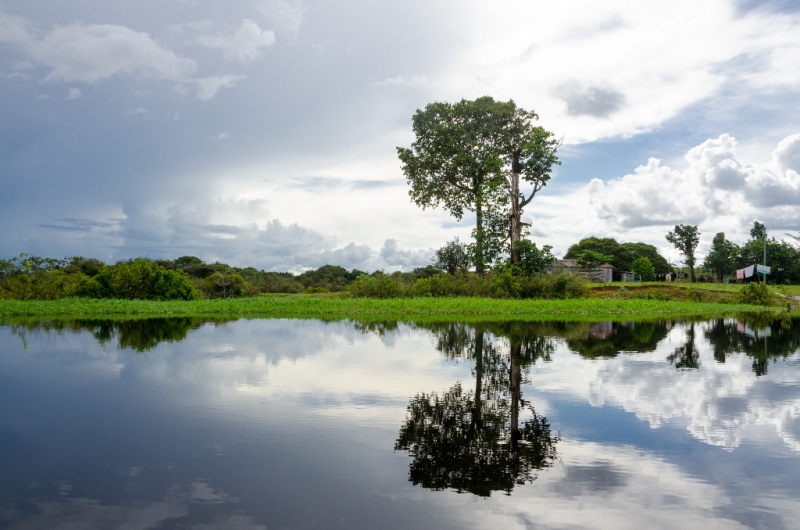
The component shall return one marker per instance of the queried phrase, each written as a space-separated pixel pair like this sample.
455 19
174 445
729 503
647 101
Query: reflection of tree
139 335
761 337
607 339
474 441
686 356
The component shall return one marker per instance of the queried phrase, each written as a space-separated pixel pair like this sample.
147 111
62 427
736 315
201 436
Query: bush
377 286
501 284
644 269
50 285
756 294
226 284
316 290
140 280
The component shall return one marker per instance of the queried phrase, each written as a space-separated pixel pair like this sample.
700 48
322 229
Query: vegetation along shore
346 306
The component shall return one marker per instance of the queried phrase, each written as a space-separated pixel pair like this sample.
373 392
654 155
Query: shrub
50 285
140 280
756 294
644 269
452 257
377 286
226 284
315 290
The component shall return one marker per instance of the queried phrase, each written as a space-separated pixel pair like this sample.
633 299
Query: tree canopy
685 238
470 156
622 255
457 157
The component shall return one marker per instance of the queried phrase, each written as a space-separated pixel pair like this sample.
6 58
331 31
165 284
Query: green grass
328 306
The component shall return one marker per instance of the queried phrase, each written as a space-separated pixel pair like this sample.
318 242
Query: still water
273 424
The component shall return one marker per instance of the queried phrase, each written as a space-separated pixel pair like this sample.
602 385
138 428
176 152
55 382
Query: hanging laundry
749 271
740 274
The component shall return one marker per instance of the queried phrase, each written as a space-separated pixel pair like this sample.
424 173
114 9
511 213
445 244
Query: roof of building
606 266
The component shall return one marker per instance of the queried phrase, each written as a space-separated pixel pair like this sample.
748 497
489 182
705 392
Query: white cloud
219 137
394 256
594 70
417 80
208 87
245 43
716 184
285 15
93 52
74 93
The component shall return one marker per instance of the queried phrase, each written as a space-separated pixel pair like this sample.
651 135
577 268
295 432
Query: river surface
295 424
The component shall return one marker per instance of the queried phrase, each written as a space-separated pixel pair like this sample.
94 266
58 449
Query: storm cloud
265 133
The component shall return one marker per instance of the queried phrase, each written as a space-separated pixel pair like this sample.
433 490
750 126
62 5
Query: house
608 272
603 273
568 265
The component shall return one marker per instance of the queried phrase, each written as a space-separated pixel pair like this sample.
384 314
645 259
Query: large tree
457 158
685 238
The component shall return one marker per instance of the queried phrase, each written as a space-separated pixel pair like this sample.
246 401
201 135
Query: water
267 424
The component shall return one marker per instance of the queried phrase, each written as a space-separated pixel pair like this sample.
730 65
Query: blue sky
264 132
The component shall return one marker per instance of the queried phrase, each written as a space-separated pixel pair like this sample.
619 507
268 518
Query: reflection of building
601 330
753 333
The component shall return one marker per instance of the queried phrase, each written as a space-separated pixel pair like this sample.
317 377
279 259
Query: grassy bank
327 306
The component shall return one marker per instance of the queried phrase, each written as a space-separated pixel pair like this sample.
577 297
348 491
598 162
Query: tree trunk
479 266
516 396
516 214
478 377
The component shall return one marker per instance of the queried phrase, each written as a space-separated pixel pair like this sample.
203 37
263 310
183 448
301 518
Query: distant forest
28 277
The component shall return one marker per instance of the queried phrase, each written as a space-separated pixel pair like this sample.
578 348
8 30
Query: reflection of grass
321 306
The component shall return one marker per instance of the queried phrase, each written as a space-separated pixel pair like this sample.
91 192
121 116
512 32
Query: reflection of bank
140 335
482 440
760 337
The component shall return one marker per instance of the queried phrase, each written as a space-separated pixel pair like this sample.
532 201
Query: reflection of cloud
234 522
718 402
88 514
201 492
640 490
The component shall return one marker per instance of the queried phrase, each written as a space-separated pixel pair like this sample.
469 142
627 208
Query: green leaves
685 238
459 159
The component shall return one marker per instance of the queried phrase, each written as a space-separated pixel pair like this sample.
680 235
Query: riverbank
326 306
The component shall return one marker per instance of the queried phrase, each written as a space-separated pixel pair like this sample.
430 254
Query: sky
264 132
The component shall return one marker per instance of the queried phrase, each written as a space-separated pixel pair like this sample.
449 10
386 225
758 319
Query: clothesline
747 272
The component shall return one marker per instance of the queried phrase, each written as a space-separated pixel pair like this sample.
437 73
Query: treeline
28 277
726 257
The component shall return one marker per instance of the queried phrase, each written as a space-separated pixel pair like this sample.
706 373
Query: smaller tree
759 231
225 284
589 259
644 269
452 257
532 259
720 259
685 238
